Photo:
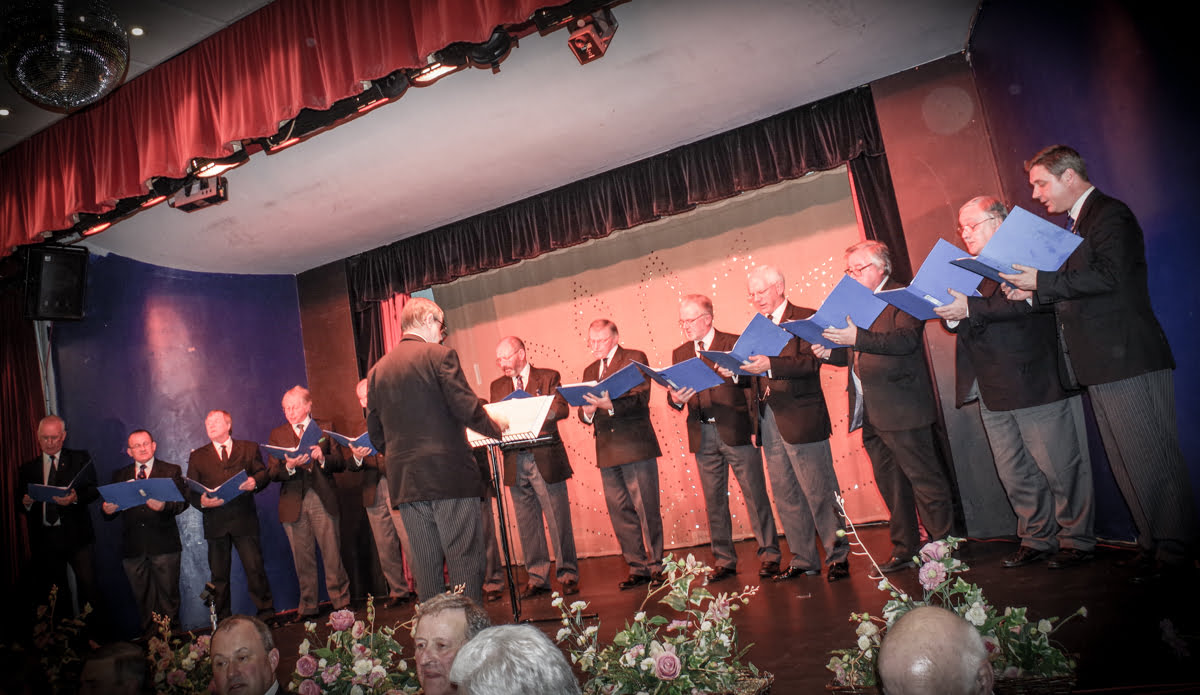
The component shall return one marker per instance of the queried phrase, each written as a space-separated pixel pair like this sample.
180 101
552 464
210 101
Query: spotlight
447 61
201 193
590 35
208 168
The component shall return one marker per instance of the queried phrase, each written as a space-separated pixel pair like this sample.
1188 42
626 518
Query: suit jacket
311 475
75 520
794 389
1011 350
551 458
889 358
419 405
727 403
147 532
239 516
626 435
1101 299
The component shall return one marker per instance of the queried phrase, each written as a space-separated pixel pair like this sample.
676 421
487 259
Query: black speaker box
55 279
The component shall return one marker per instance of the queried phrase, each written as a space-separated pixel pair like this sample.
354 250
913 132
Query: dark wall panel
159 349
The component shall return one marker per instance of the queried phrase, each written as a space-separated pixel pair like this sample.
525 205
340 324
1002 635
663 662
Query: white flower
356 690
304 647
639 616
883 585
864 643
1045 627
310 626
578 606
1082 611
976 615
591 630
647 664
187 663
557 602
403 665
706 626
867 629
562 634
363 666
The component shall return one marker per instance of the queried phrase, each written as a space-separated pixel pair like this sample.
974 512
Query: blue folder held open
47 493
929 288
616 384
692 373
1023 238
135 493
363 439
312 436
761 337
225 491
848 298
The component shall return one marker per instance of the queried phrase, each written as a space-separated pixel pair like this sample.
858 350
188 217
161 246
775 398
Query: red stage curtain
239 83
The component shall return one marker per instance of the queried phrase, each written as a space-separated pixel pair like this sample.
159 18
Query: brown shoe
570 587
492 595
531 591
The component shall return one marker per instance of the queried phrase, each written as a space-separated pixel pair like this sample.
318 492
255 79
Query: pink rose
341 620
306 666
931 574
331 673
359 629
309 687
176 677
935 551
667 665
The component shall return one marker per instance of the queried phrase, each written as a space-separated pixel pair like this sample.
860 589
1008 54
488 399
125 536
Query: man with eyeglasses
793 428
720 432
892 400
151 549
1006 359
419 405
537 476
627 453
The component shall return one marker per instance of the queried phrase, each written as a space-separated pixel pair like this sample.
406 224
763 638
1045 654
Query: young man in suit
793 428
151 549
627 452
232 524
1006 358
892 399
308 506
720 433
537 476
1112 344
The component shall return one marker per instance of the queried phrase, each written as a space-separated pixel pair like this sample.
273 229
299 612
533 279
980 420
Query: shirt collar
524 374
1073 213
883 282
777 315
707 339
609 357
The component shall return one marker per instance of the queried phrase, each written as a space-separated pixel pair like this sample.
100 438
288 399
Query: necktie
53 468
1070 224
224 452
141 474
50 509
300 431
700 347
520 383
603 366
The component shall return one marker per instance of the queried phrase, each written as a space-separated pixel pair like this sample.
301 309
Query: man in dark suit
60 533
891 398
232 524
1112 344
793 428
151 549
627 453
720 433
537 476
308 504
1006 358
419 405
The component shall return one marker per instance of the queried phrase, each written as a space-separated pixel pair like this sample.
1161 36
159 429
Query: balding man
1007 359
419 405
244 658
932 651
537 476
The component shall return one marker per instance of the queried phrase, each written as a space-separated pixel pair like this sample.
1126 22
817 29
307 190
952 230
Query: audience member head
978 220
423 317
1058 177
360 390
119 668
869 262
510 356
602 336
512 660
218 424
441 626
695 316
244 657
51 434
297 404
765 286
141 446
932 651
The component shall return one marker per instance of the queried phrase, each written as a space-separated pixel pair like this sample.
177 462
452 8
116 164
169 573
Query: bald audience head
932 651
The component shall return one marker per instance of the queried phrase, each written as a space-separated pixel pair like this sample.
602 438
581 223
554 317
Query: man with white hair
932 651
512 660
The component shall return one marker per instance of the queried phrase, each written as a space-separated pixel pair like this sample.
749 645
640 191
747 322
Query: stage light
152 201
205 168
447 61
492 52
96 229
591 35
201 193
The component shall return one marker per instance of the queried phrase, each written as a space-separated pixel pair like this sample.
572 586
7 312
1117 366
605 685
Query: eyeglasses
964 228
854 272
685 323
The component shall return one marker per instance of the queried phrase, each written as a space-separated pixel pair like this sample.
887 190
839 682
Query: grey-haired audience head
932 651
512 660
441 626
423 317
978 220
765 288
244 657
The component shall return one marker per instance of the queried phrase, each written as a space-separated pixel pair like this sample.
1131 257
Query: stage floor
794 624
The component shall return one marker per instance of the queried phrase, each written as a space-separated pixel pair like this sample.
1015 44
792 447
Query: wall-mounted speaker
55 280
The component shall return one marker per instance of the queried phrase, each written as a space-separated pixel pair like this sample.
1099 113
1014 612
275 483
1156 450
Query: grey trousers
316 527
387 535
1042 459
493 573
804 484
631 494
910 478
445 532
534 500
154 580
713 462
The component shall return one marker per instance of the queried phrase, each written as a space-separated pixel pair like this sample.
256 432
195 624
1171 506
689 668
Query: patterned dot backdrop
636 278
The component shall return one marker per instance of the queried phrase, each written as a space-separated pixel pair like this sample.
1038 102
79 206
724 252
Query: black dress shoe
570 587
792 572
656 579
531 591
770 568
634 580
838 571
492 595
298 618
896 564
397 601
721 573
1070 557
1024 556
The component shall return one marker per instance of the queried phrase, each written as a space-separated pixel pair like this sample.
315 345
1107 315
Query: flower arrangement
356 658
695 650
59 645
180 666
1017 647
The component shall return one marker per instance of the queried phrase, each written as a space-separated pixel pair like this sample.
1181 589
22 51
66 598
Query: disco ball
63 54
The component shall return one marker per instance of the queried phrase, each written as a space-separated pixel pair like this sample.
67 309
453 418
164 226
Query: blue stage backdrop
158 349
